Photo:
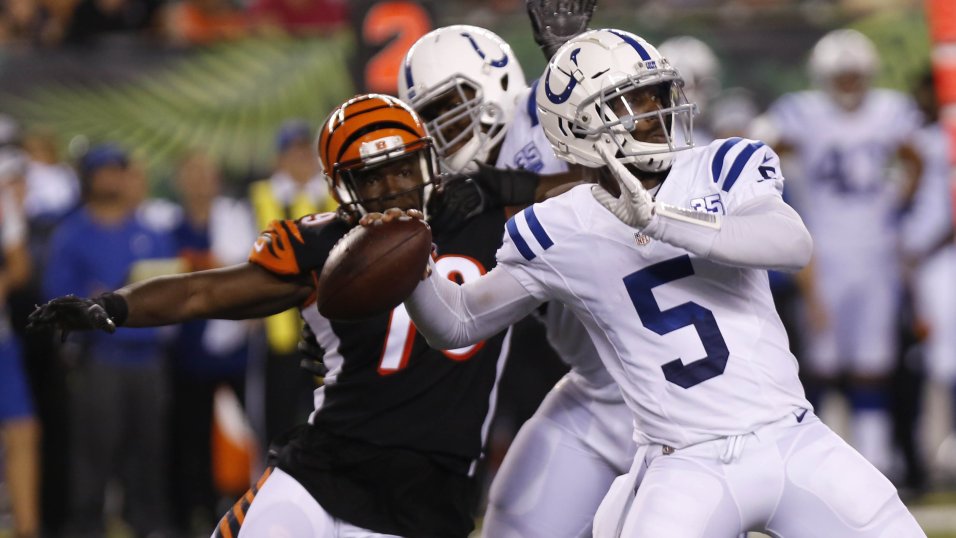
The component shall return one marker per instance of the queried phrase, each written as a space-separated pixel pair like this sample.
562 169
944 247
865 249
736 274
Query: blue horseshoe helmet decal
500 62
566 93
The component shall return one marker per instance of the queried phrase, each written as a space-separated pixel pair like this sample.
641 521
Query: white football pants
283 508
561 464
788 479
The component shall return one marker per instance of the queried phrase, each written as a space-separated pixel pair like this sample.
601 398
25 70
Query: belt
729 448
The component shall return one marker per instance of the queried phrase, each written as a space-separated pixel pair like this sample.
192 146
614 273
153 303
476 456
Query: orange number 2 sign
399 24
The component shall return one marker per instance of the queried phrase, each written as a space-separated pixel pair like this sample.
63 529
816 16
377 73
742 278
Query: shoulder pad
527 234
728 160
292 247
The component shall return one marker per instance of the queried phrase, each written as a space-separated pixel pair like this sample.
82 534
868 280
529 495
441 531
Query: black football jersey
385 384
386 388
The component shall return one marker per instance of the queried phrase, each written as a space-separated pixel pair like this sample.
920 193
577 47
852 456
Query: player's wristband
115 305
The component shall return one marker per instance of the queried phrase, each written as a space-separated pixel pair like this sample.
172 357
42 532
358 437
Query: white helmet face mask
584 100
464 81
843 52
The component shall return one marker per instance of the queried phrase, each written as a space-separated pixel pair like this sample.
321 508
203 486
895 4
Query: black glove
554 22
313 354
457 200
506 186
72 313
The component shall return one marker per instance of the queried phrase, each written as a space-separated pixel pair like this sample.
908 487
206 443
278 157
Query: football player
847 135
398 430
467 84
565 457
665 264
928 235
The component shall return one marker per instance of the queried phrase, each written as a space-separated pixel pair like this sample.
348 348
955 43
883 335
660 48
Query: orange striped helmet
366 132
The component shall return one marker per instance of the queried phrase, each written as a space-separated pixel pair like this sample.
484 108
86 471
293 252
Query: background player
927 242
846 135
716 433
397 436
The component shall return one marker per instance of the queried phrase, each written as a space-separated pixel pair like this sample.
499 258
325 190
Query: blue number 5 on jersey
640 286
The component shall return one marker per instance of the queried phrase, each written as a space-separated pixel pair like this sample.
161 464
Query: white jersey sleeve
450 316
527 239
757 228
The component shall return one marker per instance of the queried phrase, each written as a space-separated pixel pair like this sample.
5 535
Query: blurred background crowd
146 137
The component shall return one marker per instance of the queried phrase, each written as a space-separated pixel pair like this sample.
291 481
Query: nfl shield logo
642 239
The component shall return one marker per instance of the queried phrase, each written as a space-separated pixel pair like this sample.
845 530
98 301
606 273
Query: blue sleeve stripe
739 164
717 165
519 241
532 103
542 236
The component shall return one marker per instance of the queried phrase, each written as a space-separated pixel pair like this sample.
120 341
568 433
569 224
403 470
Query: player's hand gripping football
70 313
634 207
554 22
377 219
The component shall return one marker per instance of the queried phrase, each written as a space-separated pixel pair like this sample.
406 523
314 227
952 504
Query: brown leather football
372 269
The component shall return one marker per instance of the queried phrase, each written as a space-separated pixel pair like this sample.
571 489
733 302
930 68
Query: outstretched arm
239 292
451 316
242 291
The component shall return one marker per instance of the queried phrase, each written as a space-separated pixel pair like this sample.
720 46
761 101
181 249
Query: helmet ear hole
504 83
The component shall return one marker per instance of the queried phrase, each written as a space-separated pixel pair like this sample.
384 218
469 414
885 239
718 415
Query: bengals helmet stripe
369 129
382 129
360 120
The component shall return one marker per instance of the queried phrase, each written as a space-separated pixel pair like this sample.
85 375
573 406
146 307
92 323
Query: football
372 269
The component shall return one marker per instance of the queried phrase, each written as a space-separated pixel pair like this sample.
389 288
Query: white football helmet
578 91
842 52
478 72
698 66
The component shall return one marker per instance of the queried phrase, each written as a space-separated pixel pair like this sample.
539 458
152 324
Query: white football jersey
525 145
697 347
845 191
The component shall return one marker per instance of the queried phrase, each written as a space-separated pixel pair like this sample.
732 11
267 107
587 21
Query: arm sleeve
763 233
451 316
